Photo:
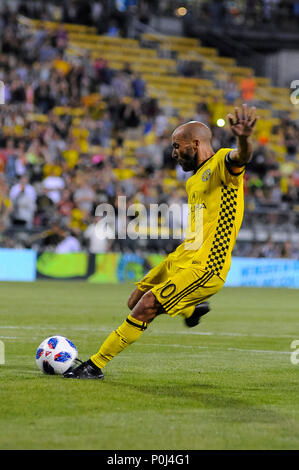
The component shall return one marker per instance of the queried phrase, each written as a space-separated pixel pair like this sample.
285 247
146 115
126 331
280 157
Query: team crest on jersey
206 175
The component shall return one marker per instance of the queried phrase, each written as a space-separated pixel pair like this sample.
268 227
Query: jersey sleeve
227 172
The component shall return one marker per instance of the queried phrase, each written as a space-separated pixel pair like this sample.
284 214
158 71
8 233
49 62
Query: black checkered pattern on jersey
224 228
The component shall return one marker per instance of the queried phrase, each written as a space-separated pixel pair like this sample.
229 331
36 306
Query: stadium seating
165 63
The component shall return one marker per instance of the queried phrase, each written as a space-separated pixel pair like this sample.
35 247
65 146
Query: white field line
156 333
181 346
259 351
184 346
262 351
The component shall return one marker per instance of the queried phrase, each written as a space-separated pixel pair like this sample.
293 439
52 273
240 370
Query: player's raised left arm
242 126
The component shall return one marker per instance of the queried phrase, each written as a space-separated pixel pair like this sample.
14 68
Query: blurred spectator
42 98
17 91
132 120
53 185
23 197
22 187
161 123
248 87
291 141
44 208
69 244
5 204
99 239
84 196
139 86
231 90
11 157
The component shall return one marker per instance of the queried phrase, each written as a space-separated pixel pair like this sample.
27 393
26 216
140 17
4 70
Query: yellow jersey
216 201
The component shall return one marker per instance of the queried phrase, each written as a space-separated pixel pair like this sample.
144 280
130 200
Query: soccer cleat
199 311
86 370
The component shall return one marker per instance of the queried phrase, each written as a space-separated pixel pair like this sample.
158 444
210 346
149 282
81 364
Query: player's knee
134 298
131 302
149 301
147 308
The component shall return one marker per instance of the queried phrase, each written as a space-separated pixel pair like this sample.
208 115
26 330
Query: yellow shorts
178 289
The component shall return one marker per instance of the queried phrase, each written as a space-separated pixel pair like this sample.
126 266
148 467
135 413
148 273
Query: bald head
193 130
191 144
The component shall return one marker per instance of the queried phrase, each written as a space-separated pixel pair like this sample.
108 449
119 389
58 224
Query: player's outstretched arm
242 125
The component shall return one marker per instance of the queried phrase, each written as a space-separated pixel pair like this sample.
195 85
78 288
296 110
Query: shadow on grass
180 396
206 397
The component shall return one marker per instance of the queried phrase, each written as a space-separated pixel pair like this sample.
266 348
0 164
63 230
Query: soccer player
191 274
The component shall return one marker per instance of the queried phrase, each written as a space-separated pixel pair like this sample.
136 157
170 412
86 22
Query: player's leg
178 295
127 333
144 307
135 297
155 276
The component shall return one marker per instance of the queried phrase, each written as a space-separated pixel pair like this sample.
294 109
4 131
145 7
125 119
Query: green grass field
226 384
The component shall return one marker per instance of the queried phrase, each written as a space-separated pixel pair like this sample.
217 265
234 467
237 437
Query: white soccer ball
55 355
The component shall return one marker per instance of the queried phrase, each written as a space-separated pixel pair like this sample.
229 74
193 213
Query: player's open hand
243 122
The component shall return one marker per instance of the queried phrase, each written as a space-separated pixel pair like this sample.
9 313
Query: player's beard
188 161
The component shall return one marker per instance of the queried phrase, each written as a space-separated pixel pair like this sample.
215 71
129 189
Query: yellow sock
118 340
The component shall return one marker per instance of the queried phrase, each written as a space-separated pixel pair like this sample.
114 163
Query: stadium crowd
249 14
114 16
58 167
